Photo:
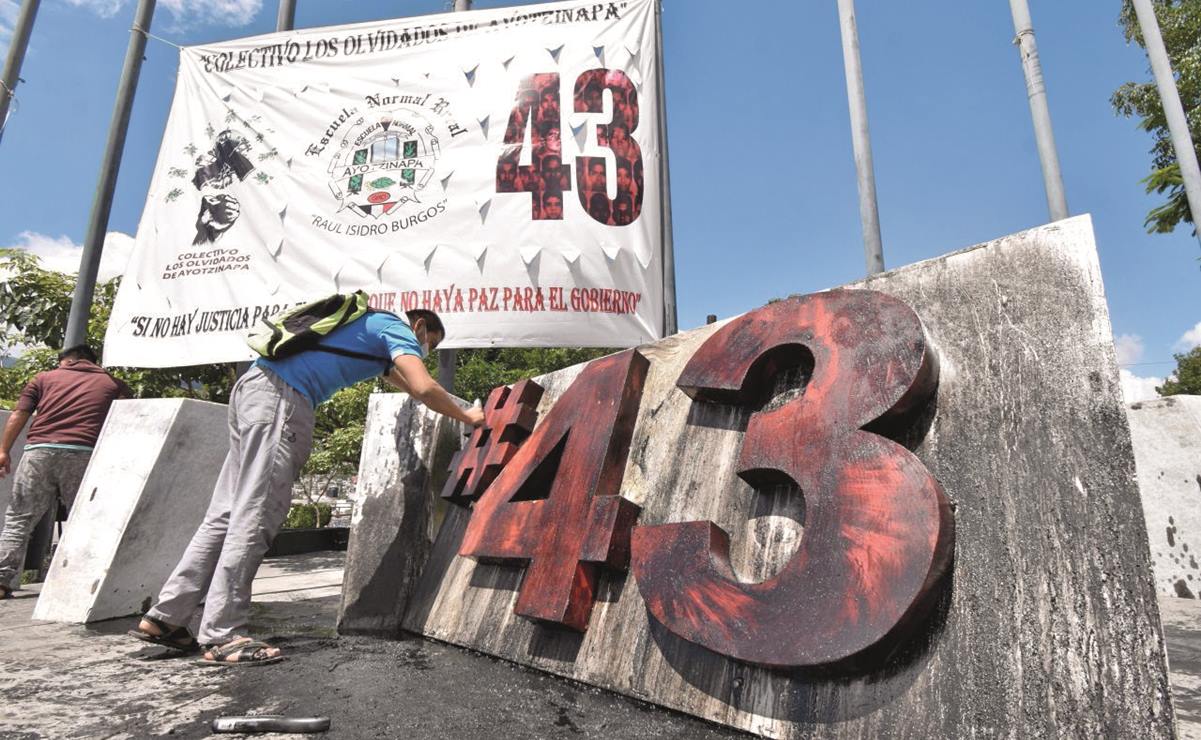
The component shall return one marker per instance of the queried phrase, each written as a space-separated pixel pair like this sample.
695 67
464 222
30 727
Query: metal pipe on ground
1036 91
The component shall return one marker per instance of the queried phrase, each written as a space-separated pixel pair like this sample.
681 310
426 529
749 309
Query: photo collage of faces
548 177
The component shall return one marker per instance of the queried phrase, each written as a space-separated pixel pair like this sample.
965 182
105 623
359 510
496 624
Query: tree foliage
337 441
1187 378
478 371
1180 23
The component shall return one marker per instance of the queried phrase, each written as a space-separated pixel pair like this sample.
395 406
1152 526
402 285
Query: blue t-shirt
319 375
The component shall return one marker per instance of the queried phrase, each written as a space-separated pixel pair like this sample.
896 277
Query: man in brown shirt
71 402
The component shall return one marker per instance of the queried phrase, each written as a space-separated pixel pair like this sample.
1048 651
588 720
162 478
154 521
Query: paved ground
60 681
1182 631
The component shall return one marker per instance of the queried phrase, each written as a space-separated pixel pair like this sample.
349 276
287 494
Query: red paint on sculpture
878 529
556 504
510 413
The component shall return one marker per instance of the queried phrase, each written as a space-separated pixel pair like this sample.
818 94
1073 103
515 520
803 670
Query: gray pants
44 476
270 437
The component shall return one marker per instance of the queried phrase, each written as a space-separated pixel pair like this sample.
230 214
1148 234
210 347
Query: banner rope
14 106
149 35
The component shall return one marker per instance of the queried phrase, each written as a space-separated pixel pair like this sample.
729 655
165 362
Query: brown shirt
71 402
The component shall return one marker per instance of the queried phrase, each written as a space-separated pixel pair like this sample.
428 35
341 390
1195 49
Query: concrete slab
1167 449
143 496
1049 623
397 512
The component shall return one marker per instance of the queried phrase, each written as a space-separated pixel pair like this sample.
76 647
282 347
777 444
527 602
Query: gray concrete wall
397 510
1167 449
1050 625
143 496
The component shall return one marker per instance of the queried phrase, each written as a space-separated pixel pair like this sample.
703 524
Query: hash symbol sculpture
511 413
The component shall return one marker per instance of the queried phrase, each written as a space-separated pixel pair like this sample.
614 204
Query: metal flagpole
667 239
448 357
16 55
1036 91
286 20
1173 109
93 243
43 532
869 213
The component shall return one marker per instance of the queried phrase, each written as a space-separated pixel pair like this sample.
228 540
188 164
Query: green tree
337 442
478 371
1180 21
1187 378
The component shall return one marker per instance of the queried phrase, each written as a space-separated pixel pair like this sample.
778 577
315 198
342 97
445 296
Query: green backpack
302 328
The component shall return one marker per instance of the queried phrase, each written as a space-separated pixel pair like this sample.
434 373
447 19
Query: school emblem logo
385 161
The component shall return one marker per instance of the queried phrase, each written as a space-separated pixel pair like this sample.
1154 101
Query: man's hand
475 416
12 429
409 372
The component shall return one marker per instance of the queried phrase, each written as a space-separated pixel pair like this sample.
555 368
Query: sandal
240 652
175 638
5 592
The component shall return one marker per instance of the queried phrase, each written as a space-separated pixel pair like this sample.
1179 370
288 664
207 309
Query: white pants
270 437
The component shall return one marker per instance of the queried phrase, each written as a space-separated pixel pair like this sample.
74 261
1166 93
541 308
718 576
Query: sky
763 179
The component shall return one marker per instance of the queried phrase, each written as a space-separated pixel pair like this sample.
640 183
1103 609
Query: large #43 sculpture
879 532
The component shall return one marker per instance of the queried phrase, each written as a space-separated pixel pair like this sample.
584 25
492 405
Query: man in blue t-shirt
270 437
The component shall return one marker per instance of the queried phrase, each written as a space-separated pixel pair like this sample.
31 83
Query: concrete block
143 496
1167 449
1048 625
6 483
397 511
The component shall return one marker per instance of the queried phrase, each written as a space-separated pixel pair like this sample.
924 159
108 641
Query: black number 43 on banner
547 177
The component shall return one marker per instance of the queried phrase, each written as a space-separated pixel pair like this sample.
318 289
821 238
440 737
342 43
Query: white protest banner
500 167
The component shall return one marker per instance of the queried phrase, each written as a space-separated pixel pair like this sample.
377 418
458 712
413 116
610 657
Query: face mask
425 349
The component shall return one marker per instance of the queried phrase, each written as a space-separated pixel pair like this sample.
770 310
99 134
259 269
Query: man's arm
392 378
16 422
416 380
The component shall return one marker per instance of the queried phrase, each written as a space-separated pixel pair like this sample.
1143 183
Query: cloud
60 254
8 20
102 8
1189 340
1129 348
186 12
1135 388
